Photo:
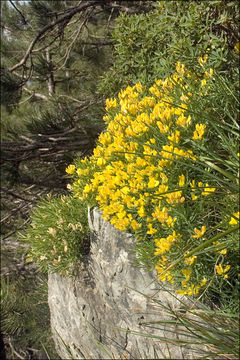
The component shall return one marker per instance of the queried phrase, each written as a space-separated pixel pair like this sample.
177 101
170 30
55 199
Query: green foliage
58 234
54 111
149 45
10 90
25 312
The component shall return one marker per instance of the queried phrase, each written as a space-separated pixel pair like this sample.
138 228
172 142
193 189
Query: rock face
93 315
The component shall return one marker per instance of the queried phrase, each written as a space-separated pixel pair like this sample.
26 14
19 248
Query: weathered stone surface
88 311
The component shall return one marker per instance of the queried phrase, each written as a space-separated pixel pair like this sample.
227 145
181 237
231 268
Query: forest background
60 61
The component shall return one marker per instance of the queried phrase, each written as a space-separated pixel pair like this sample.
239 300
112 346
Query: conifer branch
21 14
62 20
33 93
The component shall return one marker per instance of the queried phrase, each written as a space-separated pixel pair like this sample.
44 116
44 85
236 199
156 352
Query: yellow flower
104 139
193 185
208 190
87 189
183 121
111 103
198 133
187 273
135 225
175 197
202 60
223 251
203 282
190 260
174 137
141 211
199 233
233 220
209 74
106 118
101 161
151 229
138 86
70 169
222 271
181 180
152 183
183 97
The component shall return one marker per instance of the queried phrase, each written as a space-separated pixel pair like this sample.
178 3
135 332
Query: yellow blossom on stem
141 211
70 169
209 74
135 225
138 87
111 103
151 229
222 271
203 60
153 183
190 260
194 197
208 190
199 233
174 137
199 132
181 180
233 220
175 197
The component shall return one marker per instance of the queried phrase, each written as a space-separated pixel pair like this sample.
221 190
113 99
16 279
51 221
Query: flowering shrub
160 172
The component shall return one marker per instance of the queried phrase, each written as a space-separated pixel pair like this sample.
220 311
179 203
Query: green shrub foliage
149 45
58 234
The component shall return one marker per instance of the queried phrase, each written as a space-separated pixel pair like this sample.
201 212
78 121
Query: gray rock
94 314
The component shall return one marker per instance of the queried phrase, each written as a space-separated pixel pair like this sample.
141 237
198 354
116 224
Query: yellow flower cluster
221 271
133 164
70 169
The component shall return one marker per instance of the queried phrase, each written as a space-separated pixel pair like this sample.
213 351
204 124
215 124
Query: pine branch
33 93
16 151
62 20
25 22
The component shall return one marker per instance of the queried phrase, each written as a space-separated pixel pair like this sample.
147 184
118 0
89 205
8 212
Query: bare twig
14 351
66 56
20 207
14 195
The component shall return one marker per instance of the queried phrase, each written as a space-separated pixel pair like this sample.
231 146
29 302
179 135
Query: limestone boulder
102 312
